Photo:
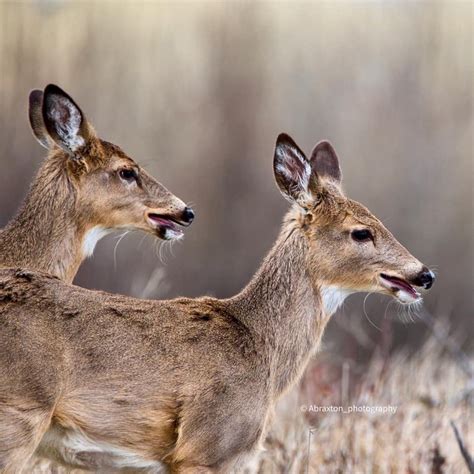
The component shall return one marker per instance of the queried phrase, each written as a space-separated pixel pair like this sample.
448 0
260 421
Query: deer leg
218 443
21 430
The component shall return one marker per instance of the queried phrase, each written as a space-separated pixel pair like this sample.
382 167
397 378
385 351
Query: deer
86 188
110 383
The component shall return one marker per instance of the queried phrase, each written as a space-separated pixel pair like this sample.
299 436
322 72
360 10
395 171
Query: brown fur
75 191
188 382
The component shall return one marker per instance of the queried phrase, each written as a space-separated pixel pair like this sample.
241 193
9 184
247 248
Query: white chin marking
171 234
333 297
91 238
406 298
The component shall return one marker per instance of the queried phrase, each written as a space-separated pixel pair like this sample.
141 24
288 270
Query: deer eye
128 174
362 235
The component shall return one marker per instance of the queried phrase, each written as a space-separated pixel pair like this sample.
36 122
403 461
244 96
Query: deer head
349 249
111 190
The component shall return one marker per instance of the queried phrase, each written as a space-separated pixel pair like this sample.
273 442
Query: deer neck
45 235
285 308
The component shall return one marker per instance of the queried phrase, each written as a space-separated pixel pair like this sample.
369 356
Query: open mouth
166 227
404 292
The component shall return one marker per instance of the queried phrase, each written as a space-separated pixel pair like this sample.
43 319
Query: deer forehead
113 151
104 155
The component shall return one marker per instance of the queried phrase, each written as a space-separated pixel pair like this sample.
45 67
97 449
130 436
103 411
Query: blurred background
198 91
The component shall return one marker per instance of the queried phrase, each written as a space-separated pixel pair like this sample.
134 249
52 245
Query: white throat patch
333 297
91 238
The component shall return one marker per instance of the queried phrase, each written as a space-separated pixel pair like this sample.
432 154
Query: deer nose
188 215
425 279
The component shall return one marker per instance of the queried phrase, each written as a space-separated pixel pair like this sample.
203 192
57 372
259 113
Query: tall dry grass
428 390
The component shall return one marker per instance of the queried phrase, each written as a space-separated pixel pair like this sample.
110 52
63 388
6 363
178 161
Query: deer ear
324 162
292 169
64 120
35 115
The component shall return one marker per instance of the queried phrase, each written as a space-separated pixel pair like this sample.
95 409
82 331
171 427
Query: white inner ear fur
301 174
333 297
68 130
91 238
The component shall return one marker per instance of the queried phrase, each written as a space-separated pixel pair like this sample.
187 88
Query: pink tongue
401 285
163 222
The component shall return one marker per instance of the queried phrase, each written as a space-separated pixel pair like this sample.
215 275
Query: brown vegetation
427 389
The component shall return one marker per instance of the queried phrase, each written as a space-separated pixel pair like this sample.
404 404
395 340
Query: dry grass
428 389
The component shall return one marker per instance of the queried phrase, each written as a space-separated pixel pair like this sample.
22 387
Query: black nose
425 279
188 215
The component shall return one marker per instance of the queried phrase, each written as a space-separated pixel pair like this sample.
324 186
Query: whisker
409 313
386 308
166 246
161 253
366 315
156 248
119 239
416 309
401 314
144 236
171 248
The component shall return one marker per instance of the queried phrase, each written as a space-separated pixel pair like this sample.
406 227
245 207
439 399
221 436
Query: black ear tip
53 89
54 96
284 139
